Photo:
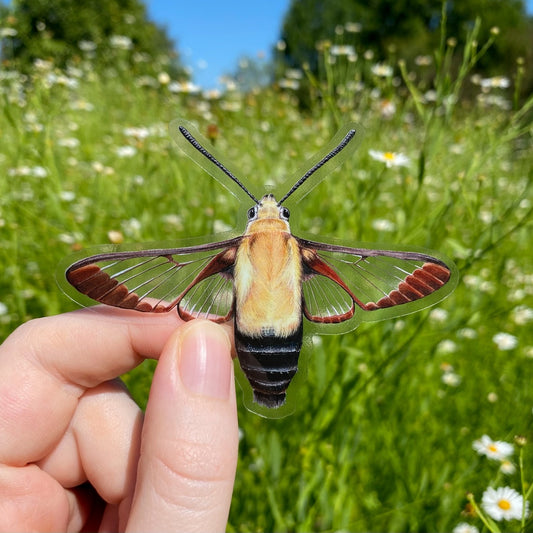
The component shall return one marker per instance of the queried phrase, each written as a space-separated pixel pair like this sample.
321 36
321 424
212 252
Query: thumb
190 439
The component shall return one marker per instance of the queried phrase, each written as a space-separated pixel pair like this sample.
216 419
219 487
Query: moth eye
285 213
252 212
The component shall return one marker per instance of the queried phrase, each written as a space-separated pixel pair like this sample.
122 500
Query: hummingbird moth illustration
267 280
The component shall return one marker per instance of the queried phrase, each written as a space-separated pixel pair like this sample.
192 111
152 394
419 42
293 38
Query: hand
75 451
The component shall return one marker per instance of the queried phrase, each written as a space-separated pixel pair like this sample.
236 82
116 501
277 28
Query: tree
65 30
406 27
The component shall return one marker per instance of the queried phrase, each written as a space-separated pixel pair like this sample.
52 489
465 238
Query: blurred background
212 44
395 422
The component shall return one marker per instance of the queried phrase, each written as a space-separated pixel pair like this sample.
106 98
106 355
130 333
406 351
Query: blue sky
212 35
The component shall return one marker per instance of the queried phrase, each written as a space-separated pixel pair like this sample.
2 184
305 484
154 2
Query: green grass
380 441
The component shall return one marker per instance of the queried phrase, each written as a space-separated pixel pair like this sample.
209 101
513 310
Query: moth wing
198 280
325 300
338 280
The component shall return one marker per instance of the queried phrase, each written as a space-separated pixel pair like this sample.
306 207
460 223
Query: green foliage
391 29
386 416
65 32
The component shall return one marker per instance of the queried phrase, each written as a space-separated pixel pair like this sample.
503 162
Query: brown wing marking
423 281
98 285
91 280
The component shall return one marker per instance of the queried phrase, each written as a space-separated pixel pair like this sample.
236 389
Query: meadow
383 437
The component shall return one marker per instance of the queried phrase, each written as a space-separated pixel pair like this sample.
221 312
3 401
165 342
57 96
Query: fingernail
205 361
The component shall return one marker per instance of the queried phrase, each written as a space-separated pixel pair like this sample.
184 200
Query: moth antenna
349 136
213 160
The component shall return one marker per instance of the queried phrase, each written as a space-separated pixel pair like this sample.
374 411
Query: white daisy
382 70
438 315
219 226
467 333
387 108
126 151
136 132
8 32
122 42
451 379
342 50
382 224
39 172
493 449
131 227
492 397
67 196
285 83
423 61
497 82
115 236
163 78
505 341
391 159
294 74
506 467
212 94
183 87
353 27
68 142
522 315
87 46
503 503
447 346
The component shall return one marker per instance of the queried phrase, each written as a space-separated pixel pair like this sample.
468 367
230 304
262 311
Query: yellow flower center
389 155
504 504
492 448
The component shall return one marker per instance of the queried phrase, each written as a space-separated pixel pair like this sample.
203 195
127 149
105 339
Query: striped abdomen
269 362
268 310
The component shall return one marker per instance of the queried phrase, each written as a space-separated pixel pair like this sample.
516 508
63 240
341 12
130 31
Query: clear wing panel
392 282
211 298
199 279
325 300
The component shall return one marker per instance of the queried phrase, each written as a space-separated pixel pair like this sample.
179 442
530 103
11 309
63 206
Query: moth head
268 208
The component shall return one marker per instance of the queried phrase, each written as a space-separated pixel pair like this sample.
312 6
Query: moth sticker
266 280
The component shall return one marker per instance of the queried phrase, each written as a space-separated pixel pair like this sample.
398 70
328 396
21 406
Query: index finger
89 346
47 364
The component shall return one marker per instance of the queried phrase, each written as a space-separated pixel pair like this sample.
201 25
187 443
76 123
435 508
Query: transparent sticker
277 287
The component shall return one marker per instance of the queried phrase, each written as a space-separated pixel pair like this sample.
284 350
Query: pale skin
76 453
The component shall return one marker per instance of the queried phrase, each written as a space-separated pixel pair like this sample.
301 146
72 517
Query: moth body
268 303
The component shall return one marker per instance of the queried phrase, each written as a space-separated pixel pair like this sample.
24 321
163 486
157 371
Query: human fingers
31 500
101 445
190 436
47 364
